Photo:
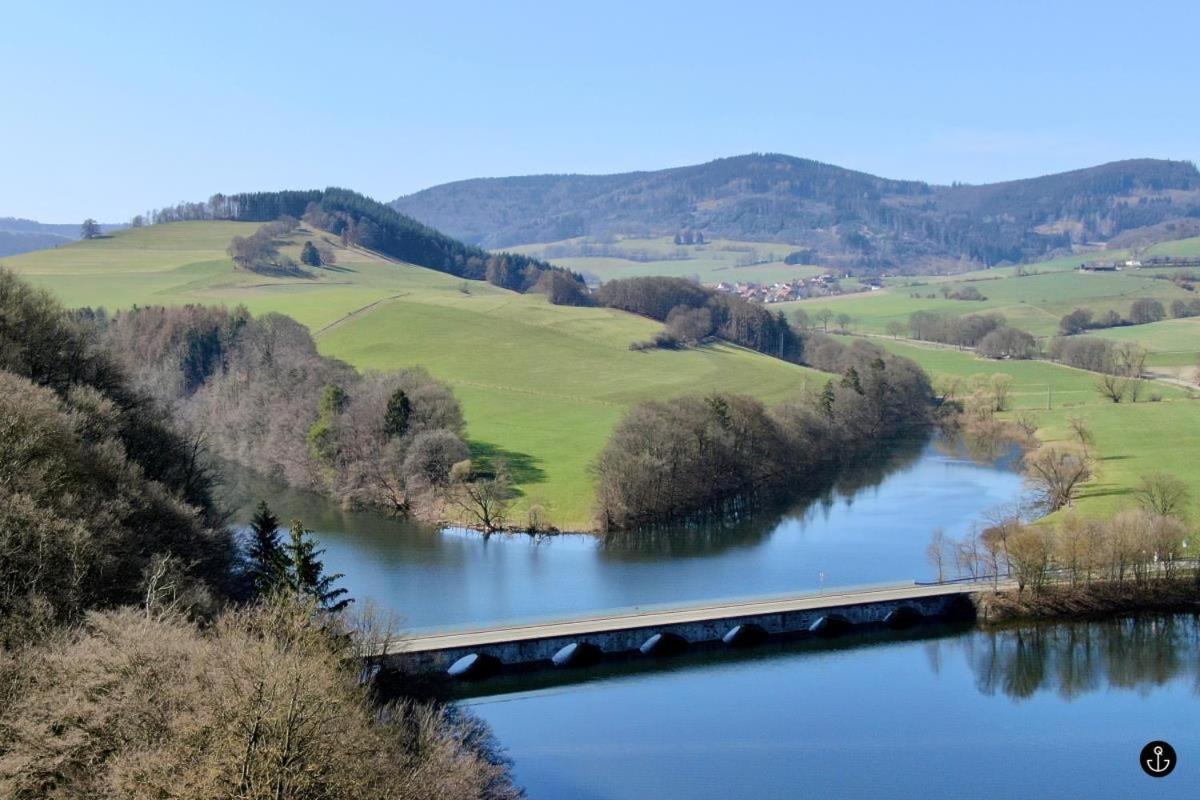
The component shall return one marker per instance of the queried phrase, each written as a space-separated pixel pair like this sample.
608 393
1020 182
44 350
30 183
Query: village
799 289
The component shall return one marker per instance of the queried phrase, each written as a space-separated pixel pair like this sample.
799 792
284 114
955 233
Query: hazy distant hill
24 235
847 216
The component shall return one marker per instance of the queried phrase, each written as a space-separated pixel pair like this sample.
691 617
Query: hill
23 235
542 383
848 217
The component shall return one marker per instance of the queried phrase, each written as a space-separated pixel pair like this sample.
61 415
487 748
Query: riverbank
1101 600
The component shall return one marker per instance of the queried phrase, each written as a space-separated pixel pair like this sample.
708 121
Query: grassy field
543 384
711 262
1131 439
1035 301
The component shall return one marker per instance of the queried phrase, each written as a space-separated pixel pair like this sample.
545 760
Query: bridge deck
661 617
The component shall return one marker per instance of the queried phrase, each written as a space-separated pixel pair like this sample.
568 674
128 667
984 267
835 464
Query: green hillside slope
543 384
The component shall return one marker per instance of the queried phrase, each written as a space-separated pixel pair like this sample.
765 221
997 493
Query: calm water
1058 711
1053 712
872 528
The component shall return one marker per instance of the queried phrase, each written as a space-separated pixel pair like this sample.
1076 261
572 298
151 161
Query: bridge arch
747 634
663 644
577 654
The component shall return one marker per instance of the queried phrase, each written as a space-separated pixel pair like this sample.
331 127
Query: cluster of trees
191 670
805 255
1185 308
689 236
989 333
259 252
1142 312
696 457
261 395
1141 544
730 318
969 293
94 482
1120 364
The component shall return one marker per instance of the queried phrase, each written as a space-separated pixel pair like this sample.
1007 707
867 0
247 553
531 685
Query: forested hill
362 221
847 216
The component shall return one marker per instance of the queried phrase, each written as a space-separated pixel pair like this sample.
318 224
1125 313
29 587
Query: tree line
694 312
715 456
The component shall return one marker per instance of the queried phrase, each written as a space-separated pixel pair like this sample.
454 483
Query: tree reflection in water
1073 659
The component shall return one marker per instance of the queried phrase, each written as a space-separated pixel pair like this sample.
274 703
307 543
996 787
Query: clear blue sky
113 107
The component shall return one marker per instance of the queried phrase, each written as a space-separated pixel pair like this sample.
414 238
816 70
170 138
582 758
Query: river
874 527
1055 711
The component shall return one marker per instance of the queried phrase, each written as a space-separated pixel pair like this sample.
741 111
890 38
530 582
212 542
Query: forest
258 393
122 589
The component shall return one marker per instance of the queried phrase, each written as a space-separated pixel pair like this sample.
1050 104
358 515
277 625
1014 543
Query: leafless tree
1056 472
936 553
1162 494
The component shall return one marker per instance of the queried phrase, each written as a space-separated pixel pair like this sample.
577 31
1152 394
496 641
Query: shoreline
1090 601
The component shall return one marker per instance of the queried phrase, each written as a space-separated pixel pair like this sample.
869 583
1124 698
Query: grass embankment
1132 439
541 384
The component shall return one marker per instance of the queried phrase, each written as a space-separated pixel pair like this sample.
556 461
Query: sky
111 108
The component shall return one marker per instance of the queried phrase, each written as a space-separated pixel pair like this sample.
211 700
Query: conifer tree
268 562
305 575
399 412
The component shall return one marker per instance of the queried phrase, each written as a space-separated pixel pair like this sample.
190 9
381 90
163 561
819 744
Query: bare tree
1056 472
1112 386
895 329
936 553
485 499
1082 431
1029 552
1162 494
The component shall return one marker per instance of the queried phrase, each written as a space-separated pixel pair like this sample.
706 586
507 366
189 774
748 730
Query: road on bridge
658 617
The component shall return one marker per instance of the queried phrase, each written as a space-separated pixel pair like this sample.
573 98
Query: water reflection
872 527
1070 660
1029 711
803 508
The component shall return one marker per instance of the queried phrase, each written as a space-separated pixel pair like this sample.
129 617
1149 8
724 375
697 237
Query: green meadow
718 260
1034 301
542 385
1132 439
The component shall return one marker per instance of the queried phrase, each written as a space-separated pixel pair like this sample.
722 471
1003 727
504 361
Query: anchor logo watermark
1158 759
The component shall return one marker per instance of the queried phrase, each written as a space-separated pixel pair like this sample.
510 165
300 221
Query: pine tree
268 562
399 413
305 575
310 255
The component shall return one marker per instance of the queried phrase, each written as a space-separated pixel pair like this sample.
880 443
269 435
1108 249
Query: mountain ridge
848 216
